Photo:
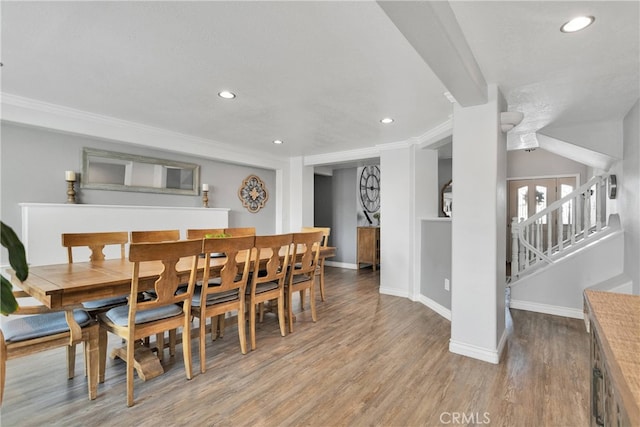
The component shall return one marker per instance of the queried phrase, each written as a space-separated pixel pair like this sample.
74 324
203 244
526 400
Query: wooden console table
369 246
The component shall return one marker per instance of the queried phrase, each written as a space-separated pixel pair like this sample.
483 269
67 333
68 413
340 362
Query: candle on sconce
70 176
205 187
205 195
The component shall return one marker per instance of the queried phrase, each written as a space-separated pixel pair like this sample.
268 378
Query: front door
529 196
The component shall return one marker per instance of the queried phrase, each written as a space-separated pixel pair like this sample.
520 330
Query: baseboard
394 292
440 309
555 310
475 352
627 288
341 265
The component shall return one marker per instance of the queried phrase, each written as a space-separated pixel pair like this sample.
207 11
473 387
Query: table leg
92 360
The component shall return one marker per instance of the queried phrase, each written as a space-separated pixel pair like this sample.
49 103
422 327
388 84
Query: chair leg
71 361
290 310
322 284
312 300
160 346
252 324
186 348
201 339
130 353
102 357
221 325
283 331
242 334
172 342
302 295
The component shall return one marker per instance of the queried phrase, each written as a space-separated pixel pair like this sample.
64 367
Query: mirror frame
447 188
88 153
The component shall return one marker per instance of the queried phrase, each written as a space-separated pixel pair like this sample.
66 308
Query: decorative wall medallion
253 193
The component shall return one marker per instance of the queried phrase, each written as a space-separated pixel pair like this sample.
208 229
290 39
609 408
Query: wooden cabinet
614 321
369 246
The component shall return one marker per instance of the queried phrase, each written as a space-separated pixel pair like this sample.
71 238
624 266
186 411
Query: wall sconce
70 177
510 119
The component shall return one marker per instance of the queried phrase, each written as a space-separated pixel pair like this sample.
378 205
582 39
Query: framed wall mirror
446 198
108 170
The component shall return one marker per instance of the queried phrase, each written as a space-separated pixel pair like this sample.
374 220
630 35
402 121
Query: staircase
563 250
559 229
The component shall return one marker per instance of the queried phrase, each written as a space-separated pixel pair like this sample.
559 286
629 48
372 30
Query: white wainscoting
43 224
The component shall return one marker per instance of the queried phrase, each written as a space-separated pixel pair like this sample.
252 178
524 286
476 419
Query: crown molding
338 157
31 112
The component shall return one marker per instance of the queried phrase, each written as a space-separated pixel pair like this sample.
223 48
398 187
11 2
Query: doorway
526 197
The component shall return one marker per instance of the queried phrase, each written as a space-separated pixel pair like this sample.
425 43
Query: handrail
528 246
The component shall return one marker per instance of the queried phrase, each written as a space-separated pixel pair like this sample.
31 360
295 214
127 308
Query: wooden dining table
66 286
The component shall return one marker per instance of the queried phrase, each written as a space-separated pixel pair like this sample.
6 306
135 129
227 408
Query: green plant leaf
8 303
17 256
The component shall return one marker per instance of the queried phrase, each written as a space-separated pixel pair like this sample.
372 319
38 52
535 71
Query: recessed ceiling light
226 94
386 120
577 24
277 141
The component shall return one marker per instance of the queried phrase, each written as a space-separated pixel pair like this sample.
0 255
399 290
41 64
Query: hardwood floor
370 360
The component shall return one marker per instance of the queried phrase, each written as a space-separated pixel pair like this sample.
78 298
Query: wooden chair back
235 270
240 231
95 242
306 249
326 231
165 287
201 233
274 268
155 236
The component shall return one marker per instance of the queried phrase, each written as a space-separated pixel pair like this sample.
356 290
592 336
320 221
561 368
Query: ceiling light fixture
386 120
577 24
226 94
277 141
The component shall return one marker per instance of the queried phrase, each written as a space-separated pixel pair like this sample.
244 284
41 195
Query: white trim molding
480 353
555 310
440 309
341 265
395 292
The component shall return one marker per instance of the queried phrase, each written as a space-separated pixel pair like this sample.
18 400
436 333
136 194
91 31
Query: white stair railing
545 236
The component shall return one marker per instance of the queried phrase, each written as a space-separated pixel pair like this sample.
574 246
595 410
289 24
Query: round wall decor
253 194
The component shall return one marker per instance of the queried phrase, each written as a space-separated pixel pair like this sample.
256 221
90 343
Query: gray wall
436 261
540 162
33 162
345 211
323 203
629 201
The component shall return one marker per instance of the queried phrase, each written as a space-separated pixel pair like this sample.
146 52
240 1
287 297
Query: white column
396 219
300 194
479 230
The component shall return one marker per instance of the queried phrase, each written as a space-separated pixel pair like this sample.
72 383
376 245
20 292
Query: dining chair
212 300
326 231
37 328
305 255
267 284
240 231
96 243
155 236
168 311
217 324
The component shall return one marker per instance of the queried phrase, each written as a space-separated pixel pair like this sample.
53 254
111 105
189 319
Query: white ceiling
318 75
